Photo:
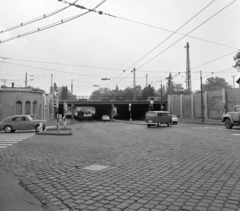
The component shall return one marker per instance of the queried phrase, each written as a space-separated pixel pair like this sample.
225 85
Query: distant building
15 100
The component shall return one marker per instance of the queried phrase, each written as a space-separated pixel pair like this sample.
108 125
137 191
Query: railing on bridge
116 98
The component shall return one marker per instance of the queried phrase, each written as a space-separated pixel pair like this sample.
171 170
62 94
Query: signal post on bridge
56 104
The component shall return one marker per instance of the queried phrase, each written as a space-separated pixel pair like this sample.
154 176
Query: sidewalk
14 197
180 120
198 121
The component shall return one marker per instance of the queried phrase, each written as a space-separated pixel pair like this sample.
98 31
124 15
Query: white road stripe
6 144
7 140
235 134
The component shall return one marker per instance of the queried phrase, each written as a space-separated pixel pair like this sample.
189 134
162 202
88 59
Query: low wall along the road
215 103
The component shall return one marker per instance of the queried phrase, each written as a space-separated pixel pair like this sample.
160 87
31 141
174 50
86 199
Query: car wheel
37 128
8 129
228 123
149 125
13 131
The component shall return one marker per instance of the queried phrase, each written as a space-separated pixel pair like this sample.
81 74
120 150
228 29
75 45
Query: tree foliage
237 60
148 92
64 94
216 83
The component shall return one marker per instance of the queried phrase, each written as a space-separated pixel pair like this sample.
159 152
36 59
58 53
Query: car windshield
29 118
150 114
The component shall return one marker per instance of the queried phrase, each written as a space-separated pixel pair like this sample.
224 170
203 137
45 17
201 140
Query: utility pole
146 80
202 107
233 80
51 83
25 80
134 82
169 79
72 87
161 97
188 72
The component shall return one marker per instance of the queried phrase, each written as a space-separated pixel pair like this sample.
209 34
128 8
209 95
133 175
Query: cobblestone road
8 139
183 167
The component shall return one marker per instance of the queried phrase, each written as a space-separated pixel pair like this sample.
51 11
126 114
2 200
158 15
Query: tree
237 60
64 93
148 92
215 84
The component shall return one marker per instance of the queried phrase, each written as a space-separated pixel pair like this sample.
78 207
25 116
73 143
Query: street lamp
96 85
105 79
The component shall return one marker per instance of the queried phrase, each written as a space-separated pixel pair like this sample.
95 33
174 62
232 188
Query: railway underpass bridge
118 109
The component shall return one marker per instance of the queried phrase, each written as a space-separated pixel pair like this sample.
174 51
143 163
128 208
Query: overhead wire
40 68
50 25
173 64
167 30
204 76
186 34
55 63
36 19
172 34
213 60
114 16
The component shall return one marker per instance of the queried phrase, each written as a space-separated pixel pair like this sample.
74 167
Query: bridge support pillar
72 106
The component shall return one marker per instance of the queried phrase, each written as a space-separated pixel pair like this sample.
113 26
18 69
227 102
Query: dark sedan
22 122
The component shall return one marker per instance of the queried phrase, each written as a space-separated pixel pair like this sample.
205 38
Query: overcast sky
96 46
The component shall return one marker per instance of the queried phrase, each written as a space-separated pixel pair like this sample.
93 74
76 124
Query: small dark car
21 122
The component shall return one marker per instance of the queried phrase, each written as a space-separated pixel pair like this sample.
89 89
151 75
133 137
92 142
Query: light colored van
157 118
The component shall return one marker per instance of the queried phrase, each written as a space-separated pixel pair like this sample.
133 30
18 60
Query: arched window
27 107
18 108
34 107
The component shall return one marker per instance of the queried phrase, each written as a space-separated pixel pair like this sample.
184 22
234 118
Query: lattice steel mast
188 72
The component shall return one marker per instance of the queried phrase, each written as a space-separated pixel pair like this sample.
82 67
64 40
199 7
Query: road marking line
235 134
6 144
6 141
215 128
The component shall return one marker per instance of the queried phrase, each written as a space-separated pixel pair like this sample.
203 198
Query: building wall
215 106
10 96
176 103
197 110
232 98
215 103
186 106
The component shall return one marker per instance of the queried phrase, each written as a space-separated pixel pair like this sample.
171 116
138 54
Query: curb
59 133
128 122
180 121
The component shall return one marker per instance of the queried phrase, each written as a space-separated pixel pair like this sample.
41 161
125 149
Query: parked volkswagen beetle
21 122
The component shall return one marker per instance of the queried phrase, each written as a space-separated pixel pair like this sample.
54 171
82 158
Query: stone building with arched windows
15 101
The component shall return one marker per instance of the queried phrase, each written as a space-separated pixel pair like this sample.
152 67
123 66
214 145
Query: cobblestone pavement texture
176 168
